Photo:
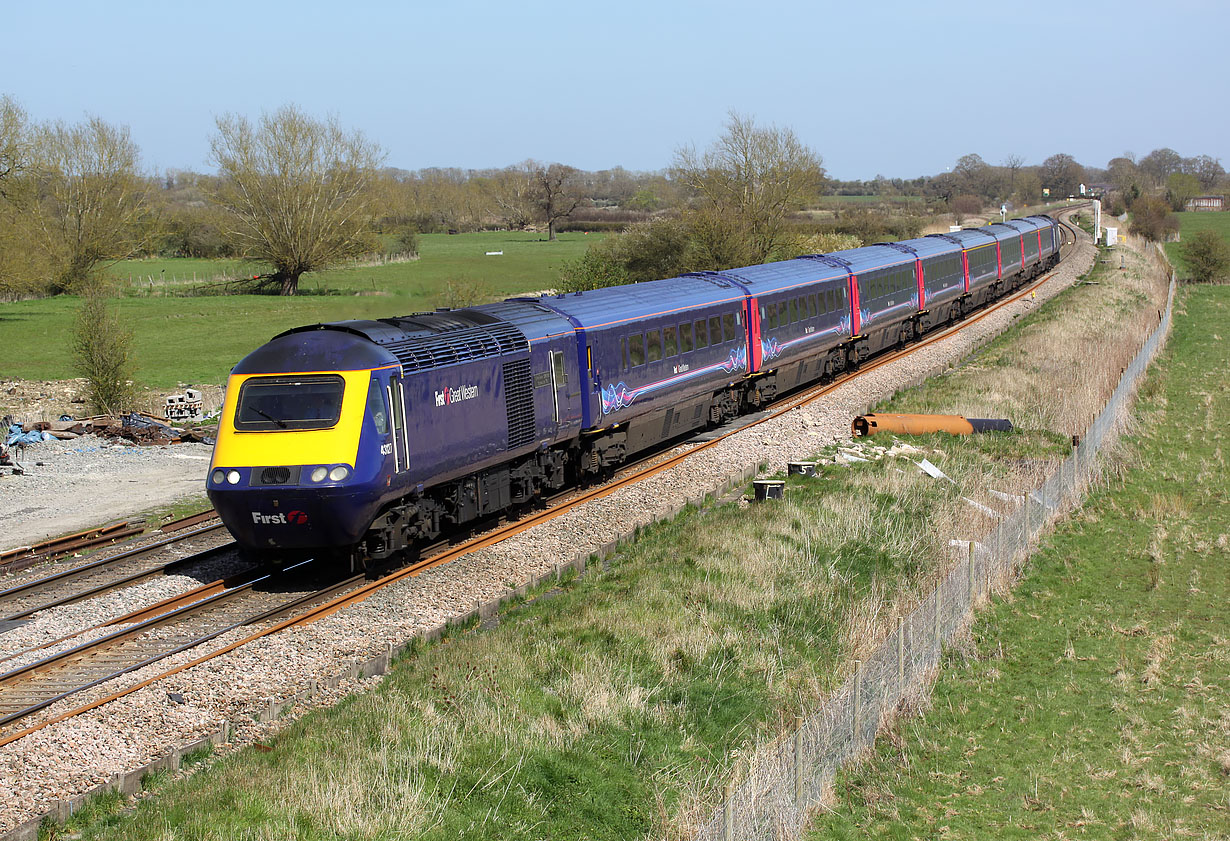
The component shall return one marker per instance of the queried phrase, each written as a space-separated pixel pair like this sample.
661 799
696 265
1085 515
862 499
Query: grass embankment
1095 701
617 708
1191 224
198 339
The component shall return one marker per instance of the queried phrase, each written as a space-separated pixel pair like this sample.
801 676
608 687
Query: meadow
616 705
196 339
1191 224
1091 702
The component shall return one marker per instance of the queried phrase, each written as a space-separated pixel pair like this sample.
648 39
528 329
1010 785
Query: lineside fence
787 778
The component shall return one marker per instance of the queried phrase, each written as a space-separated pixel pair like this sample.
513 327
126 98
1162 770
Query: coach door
395 390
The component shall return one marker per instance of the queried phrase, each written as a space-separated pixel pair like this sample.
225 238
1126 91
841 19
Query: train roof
972 237
1023 225
617 304
931 246
872 257
314 348
776 277
1001 231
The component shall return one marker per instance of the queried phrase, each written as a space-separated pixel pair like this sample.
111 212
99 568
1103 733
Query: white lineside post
1097 219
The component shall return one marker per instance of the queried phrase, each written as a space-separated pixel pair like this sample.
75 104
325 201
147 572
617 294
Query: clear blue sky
898 88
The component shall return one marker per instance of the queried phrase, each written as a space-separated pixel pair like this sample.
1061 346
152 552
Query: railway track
152 634
92 579
31 688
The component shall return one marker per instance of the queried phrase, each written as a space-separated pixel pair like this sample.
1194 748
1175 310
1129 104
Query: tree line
296 194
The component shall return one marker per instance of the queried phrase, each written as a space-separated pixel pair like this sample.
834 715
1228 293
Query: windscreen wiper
278 421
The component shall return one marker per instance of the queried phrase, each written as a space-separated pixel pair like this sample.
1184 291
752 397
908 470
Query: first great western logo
449 396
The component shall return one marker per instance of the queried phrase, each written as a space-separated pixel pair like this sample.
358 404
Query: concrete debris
931 470
1005 497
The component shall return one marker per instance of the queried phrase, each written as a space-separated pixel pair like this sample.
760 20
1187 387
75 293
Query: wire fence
789 776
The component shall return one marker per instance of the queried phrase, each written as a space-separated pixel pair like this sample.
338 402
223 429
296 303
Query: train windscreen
272 404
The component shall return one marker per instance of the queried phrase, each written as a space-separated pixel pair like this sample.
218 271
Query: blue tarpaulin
17 436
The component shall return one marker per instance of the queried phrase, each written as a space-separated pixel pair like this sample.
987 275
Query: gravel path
74 485
74 756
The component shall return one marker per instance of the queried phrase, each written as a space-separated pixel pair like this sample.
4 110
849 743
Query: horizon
590 84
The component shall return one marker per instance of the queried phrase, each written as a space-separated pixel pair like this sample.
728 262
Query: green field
1191 224
197 340
1092 703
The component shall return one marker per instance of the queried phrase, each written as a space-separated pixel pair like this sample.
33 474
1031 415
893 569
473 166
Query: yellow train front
299 459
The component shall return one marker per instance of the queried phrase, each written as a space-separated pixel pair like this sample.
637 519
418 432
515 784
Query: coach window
830 301
653 342
623 351
685 337
702 333
668 340
715 330
559 372
772 310
729 333
636 350
794 310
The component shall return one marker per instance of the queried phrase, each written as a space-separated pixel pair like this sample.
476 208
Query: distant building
1206 203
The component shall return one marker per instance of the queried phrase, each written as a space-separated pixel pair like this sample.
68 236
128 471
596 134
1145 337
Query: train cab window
729 333
636 350
669 342
270 404
557 368
653 342
376 408
772 309
702 333
685 338
715 330
623 351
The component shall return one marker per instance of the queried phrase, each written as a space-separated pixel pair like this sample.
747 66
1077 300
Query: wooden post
798 761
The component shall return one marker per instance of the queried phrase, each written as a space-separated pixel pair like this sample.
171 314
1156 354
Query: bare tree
556 192
1013 164
88 208
975 174
754 176
1062 174
22 267
513 193
296 189
964 207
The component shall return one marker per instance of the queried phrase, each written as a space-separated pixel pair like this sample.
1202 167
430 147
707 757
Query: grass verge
618 706
1191 224
1093 701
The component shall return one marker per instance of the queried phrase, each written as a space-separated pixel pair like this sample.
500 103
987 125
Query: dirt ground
73 485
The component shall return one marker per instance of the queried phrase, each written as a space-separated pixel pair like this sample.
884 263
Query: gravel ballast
71 757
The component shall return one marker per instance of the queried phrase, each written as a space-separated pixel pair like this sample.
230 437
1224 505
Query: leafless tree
1062 174
755 177
513 193
556 192
1013 164
296 189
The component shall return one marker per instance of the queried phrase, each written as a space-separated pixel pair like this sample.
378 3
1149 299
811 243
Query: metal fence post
856 713
728 813
798 761
900 656
972 593
939 605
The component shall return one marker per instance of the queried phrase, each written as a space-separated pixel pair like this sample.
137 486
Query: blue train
369 436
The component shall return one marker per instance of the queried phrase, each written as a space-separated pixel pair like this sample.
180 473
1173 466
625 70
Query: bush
102 353
1207 256
1151 218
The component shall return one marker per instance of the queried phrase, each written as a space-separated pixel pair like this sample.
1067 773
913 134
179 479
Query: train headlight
219 476
232 476
339 473
319 474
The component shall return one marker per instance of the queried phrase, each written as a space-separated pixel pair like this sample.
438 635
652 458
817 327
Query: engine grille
278 476
519 392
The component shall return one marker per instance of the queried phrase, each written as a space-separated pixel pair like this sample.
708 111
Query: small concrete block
130 783
488 609
27 831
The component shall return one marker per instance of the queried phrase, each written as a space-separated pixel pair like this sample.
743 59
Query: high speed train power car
366 437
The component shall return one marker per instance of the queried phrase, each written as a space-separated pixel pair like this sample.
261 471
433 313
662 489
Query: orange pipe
922 424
